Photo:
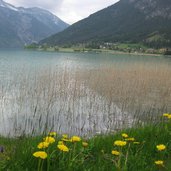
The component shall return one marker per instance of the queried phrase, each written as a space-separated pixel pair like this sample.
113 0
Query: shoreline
72 50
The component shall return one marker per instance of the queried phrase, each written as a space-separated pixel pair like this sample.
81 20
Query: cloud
68 10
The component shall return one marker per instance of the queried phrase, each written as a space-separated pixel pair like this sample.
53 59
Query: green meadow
144 148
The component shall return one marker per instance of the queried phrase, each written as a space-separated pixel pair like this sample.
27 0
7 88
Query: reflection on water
82 113
43 91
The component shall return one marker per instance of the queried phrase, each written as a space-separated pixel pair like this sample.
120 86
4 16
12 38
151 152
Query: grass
18 153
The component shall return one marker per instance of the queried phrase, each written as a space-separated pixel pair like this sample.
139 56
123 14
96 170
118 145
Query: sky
69 11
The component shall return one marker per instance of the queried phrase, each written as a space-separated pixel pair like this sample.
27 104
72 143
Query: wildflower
65 136
40 154
1 149
130 139
161 147
53 134
75 139
85 144
165 114
120 143
169 116
50 140
43 145
125 135
136 142
116 153
63 148
159 162
60 142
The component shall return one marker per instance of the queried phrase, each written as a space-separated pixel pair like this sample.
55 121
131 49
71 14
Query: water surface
43 91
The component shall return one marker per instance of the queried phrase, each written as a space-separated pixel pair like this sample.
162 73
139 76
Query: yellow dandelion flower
130 139
43 145
50 140
124 135
60 142
116 153
84 144
53 134
63 148
120 143
159 162
65 136
169 116
40 154
161 147
165 114
75 139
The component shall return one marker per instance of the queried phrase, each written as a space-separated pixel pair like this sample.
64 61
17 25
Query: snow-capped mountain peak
20 26
6 5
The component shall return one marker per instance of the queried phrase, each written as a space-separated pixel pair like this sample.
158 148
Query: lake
80 93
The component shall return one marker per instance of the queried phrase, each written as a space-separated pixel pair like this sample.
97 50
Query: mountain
131 21
20 26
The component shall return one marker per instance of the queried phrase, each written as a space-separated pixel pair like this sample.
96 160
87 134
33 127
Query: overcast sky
68 10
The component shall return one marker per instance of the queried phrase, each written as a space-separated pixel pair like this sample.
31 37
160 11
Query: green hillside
128 21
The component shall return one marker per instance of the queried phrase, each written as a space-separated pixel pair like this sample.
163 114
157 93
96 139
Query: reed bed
141 89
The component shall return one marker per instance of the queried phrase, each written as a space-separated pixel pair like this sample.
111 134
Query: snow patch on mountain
9 6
